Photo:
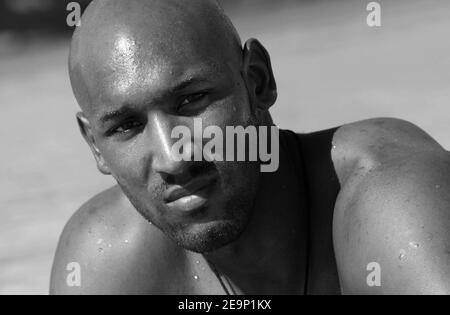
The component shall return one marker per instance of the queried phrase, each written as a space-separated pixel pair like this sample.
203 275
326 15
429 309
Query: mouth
192 196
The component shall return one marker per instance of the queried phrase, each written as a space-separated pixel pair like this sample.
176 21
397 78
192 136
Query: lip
191 196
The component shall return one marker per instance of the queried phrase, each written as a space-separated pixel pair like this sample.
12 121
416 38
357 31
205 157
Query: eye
192 98
127 127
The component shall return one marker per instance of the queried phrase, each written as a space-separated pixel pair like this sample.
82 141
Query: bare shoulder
378 140
108 248
393 208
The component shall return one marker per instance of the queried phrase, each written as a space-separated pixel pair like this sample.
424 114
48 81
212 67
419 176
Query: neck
270 256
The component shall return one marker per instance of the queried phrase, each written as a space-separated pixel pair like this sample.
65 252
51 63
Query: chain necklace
222 284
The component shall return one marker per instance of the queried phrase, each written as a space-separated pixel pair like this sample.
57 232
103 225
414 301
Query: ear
86 132
258 75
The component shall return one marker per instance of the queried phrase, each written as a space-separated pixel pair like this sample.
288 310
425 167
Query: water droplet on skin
197 262
414 245
402 255
126 241
99 241
196 277
109 245
334 147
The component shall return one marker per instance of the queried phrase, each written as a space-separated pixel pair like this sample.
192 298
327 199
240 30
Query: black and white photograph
216 148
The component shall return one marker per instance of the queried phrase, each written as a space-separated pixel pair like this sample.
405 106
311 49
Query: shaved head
117 37
140 68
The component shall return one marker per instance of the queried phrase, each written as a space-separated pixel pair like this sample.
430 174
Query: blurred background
330 66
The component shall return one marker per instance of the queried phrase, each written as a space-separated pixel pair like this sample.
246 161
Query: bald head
142 68
123 45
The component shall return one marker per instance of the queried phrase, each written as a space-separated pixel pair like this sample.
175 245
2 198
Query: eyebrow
116 114
185 84
127 109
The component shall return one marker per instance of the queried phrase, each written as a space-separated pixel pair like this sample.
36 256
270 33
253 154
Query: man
359 209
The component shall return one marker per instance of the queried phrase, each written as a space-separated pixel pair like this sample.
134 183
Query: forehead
134 69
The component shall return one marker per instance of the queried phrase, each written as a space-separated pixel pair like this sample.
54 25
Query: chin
224 227
208 237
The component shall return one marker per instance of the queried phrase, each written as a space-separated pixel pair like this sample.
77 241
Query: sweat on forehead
122 43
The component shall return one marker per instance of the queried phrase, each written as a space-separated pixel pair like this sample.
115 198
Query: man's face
141 97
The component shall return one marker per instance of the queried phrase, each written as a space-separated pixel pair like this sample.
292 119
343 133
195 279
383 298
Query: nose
166 161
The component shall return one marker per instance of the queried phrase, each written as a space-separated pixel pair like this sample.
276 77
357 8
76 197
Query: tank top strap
311 154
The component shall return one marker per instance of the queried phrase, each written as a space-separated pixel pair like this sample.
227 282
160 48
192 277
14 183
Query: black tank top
311 155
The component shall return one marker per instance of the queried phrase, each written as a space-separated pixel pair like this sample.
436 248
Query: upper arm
81 261
116 250
68 258
396 213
